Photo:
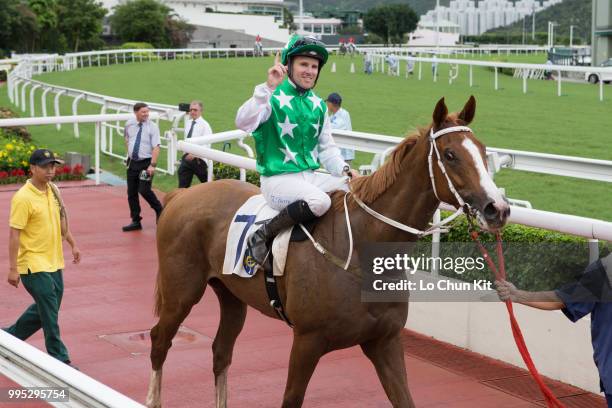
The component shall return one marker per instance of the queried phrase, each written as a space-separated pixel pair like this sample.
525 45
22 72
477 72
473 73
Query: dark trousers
47 289
135 186
190 167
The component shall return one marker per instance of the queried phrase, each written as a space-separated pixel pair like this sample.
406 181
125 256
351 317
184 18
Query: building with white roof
476 17
428 32
230 23
318 26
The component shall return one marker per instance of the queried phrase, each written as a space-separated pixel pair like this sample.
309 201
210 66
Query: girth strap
272 290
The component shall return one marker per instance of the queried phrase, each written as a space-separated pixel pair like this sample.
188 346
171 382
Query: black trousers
135 186
190 167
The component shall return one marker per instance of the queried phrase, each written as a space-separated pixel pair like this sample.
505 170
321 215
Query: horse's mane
369 188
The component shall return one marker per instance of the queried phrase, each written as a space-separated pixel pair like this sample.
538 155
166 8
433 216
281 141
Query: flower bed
15 167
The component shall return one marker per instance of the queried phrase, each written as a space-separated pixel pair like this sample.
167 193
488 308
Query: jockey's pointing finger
277 58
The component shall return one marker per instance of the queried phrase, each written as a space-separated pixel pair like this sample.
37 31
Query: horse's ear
469 111
440 113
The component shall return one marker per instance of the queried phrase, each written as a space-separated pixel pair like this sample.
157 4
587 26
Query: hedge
536 259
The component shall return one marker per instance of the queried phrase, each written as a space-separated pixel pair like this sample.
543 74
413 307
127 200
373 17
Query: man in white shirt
196 126
339 118
142 142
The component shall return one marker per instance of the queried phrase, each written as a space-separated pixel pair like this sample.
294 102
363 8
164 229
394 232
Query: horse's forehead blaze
484 178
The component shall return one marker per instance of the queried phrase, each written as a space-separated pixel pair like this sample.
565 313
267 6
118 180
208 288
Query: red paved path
110 293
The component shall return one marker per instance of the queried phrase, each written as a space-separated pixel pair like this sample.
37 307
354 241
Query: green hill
570 12
419 6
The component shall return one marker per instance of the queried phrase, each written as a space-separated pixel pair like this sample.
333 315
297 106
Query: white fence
454 64
382 145
30 367
100 121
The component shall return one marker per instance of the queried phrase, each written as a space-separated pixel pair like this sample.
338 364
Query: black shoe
134 226
259 242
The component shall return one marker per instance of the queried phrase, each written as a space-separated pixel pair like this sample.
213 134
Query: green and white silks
291 129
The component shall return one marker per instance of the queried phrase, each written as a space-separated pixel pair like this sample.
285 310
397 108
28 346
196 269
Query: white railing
20 82
30 367
483 50
379 65
100 122
382 145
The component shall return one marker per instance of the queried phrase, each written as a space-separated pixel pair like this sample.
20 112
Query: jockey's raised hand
276 74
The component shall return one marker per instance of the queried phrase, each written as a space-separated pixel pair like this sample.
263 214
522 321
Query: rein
434 228
500 274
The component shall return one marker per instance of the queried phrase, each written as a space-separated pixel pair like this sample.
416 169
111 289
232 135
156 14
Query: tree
47 35
50 25
18 26
80 22
149 21
179 31
391 22
288 20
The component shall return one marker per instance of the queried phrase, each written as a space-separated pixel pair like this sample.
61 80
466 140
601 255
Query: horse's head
454 150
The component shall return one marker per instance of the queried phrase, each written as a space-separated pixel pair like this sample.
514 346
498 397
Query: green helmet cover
304 46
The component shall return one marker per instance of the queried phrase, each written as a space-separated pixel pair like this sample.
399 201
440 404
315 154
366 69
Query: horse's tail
168 197
158 293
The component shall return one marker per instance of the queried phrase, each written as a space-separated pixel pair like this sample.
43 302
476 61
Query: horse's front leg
387 355
305 354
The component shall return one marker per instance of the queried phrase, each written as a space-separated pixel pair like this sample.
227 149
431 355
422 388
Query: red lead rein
500 274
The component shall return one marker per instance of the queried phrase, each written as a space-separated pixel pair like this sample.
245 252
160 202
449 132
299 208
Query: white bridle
433 136
434 228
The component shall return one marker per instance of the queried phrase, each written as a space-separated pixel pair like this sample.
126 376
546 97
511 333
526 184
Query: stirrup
265 261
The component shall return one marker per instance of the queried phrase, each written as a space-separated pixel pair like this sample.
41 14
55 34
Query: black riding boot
294 213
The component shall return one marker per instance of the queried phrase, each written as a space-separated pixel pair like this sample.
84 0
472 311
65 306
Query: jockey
292 135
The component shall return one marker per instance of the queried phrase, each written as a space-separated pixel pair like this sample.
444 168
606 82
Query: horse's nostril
507 212
490 211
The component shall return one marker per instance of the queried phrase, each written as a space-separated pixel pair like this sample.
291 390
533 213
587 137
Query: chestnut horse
323 301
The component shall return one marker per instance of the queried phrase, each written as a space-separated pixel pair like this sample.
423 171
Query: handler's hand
189 157
151 170
276 74
76 255
506 291
13 277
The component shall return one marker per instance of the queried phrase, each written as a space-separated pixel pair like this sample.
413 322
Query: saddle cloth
243 225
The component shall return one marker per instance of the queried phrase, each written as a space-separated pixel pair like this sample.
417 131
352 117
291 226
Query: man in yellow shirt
37 224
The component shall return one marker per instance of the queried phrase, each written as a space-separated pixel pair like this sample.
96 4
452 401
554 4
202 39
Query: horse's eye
449 155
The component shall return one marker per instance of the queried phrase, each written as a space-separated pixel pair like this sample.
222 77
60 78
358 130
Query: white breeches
284 189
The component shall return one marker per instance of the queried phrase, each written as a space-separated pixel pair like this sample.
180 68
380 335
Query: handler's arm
547 300
13 275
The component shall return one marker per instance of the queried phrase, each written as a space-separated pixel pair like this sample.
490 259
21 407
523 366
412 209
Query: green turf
576 124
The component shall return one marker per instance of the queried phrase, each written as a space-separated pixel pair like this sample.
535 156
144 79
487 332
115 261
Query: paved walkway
108 310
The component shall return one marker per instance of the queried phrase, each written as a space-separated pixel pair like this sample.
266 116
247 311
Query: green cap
305 46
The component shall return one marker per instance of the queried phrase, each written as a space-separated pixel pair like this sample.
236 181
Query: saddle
245 222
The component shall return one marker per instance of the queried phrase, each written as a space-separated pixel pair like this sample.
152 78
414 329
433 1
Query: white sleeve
256 110
205 130
329 153
349 125
155 137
